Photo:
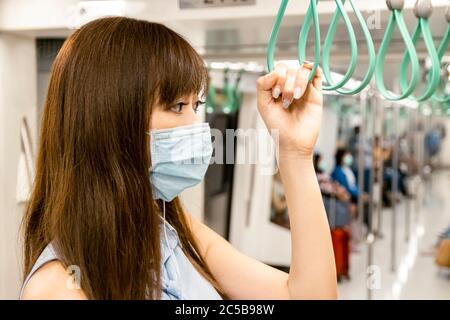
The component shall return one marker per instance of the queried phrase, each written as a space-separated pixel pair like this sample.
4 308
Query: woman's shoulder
51 282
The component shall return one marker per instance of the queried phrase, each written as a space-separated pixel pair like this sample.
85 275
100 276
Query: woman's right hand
290 104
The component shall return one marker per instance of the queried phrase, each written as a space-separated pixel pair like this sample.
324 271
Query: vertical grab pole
410 154
361 159
394 181
370 232
379 215
418 148
429 184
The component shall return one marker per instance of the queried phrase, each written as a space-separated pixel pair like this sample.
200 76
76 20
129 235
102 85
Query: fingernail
276 93
286 103
297 93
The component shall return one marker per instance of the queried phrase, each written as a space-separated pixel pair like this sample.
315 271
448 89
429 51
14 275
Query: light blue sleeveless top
180 280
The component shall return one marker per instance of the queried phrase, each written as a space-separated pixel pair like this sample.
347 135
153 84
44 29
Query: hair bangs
182 71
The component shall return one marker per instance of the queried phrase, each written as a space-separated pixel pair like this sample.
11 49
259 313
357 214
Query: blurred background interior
389 209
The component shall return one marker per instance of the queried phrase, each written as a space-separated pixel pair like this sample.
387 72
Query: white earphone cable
167 240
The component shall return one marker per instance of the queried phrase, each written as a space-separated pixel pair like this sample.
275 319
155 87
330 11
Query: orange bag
341 247
443 254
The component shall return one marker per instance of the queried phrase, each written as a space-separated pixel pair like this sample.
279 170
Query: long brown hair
92 197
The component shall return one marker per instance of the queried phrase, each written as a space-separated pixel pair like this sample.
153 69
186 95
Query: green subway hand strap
211 99
423 12
396 19
312 17
371 53
329 42
444 44
236 94
227 90
211 96
274 34
441 51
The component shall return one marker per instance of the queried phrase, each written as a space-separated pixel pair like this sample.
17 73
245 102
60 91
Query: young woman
120 116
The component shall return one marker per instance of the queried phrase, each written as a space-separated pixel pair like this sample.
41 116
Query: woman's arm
312 274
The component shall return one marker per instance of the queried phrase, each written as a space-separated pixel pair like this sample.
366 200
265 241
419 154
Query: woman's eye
197 105
178 108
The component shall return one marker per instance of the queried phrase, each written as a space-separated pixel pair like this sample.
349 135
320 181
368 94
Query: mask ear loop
167 241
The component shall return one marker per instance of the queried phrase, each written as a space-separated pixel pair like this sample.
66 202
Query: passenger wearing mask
337 202
343 173
341 210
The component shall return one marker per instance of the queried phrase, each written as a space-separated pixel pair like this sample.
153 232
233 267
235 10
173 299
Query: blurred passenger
337 202
354 144
433 143
343 173
445 234
345 177
279 214
385 154
381 156
390 170
336 199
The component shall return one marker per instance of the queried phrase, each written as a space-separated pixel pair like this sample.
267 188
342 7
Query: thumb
267 82
264 87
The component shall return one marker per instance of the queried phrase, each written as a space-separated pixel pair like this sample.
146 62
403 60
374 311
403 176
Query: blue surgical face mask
322 166
348 160
180 157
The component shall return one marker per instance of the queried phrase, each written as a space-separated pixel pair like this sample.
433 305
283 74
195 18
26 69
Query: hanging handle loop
441 51
370 50
328 43
423 10
396 19
312 17
274 35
